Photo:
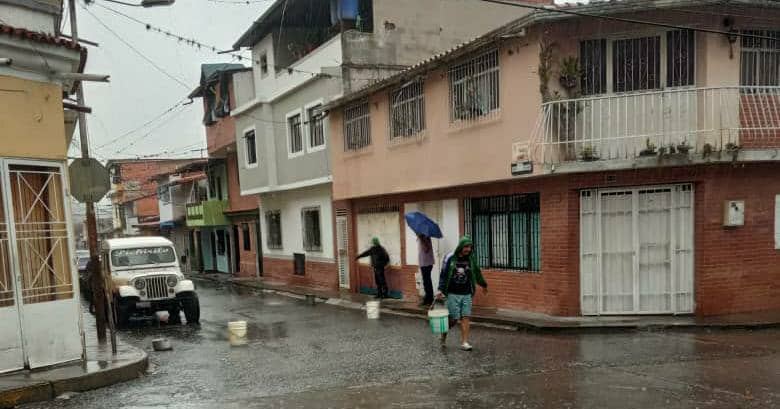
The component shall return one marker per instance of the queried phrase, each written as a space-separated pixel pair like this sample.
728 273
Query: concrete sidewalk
102 368
520 320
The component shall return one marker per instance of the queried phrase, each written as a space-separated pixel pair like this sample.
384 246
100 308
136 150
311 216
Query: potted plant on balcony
649 149
733 150
588 153
683 147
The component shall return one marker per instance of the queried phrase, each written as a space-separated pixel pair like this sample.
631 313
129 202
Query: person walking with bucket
379 261
460 274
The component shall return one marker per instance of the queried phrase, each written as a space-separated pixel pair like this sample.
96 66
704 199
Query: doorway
637 250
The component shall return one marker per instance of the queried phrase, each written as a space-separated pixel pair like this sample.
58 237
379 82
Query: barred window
273 223
316 128
312 240
357 126
251 147
636 64
505 231
760 65
593 57
474 89
407 110
680 58
294 134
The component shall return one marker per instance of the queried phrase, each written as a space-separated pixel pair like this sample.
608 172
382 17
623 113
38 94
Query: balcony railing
207 213
626 126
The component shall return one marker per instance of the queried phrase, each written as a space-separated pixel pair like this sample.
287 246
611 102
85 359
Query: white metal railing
625 126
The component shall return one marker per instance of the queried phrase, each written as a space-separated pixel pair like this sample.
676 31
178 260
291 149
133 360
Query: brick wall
237 202
762 112
318 274
736 269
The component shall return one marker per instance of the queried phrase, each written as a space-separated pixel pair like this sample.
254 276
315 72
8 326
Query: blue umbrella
422 224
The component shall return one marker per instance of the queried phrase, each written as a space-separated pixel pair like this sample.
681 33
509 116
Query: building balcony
207 213
680 125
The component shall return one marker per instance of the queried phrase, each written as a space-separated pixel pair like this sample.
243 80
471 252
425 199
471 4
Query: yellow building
40 321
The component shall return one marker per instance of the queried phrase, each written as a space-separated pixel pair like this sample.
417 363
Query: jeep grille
156 287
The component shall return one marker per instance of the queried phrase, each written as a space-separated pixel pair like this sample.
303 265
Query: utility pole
98 282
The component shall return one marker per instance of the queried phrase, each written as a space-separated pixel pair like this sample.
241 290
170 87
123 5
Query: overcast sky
138 92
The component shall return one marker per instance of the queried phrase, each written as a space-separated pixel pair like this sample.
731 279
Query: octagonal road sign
89 180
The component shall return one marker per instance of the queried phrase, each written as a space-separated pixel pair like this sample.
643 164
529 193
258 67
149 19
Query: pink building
601 166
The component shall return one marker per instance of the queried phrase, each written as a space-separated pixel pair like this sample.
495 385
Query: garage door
637 250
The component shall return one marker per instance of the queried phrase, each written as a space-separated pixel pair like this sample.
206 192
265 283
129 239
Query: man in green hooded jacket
460 275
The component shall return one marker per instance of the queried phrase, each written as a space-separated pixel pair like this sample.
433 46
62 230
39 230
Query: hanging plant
570 73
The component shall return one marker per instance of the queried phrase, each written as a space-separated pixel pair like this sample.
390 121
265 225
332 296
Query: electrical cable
138 52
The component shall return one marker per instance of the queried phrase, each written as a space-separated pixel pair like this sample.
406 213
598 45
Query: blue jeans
459 305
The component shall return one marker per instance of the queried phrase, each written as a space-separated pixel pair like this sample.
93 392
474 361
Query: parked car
146 279
82 258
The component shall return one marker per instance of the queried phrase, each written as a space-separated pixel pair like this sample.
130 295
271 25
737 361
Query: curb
50 390
515 325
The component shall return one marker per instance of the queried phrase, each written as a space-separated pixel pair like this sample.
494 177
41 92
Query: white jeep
146 278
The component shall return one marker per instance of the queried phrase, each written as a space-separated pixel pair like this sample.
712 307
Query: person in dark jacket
379 261
460 275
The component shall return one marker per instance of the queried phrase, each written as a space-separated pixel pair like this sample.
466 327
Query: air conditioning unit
521 159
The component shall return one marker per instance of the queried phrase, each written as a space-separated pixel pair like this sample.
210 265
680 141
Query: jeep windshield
142 256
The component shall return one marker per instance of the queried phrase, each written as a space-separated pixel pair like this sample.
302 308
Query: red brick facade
319 274
247 258
736 269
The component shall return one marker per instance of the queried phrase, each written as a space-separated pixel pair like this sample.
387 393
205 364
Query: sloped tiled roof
38 37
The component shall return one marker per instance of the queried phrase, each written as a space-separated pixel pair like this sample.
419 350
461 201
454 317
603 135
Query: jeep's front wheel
191 306
123 309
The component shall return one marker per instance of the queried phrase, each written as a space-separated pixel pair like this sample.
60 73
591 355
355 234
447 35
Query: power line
145 124
201 46
624 20
126 43
240 2
151 131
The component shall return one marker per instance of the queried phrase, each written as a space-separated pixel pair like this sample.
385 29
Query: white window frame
474 77
609 87
246 148
264 55
407 106
307 133
777 222
763 31
290 153
304 210
348 122
268 246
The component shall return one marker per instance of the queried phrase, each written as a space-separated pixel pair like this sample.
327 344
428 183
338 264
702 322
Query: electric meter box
734 213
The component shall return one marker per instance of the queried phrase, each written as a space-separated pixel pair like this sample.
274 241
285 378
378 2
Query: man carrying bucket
459 277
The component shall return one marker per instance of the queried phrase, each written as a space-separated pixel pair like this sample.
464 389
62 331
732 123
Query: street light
144 3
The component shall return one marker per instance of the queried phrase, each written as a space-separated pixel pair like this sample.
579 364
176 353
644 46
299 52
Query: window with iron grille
312 240
273 222
680 58
294 134
593 60
760 65
474 89
251 147
246 237
316 128
357 126
636 64
505 231
407 110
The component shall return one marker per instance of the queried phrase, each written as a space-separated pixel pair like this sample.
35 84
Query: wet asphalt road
300 356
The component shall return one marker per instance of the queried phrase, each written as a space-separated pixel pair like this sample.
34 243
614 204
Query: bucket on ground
439 320
237 332
372 310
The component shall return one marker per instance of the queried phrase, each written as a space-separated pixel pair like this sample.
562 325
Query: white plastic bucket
372 310
439 320
237 332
